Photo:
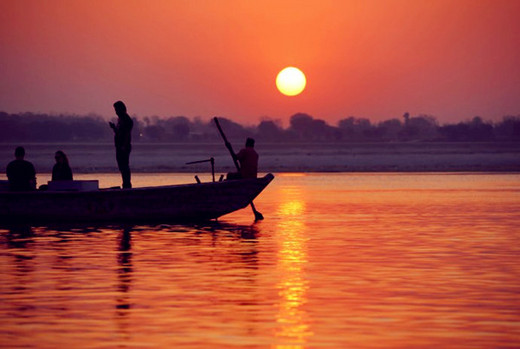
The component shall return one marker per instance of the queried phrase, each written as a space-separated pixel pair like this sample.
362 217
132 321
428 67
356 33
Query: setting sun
290 81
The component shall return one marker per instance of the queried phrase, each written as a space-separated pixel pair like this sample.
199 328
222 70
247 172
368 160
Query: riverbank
302 157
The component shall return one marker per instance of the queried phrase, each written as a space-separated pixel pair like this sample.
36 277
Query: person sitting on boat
248 159
122 140
21 173
61 170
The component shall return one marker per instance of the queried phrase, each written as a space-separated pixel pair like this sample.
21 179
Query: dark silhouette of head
61 157
120 108
250 143
19 153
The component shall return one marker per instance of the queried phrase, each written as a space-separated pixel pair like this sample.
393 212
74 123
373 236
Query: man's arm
241 154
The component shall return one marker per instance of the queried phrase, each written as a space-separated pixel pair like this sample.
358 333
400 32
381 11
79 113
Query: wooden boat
174 203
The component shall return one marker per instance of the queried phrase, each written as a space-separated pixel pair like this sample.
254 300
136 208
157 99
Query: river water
341 260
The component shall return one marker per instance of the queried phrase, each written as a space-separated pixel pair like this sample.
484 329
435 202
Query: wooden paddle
258 215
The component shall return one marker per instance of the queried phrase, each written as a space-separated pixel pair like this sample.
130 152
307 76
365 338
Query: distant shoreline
301 157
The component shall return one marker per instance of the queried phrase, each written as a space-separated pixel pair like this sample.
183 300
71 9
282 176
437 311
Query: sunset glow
370 59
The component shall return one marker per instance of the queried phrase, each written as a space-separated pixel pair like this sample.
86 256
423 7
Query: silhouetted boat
174 203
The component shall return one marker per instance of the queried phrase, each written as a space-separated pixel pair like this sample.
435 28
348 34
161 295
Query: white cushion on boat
89 185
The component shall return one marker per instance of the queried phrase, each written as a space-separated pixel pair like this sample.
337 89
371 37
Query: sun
291 81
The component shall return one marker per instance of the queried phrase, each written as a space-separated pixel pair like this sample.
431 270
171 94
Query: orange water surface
341 260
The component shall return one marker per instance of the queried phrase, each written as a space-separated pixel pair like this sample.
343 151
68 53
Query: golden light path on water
292 258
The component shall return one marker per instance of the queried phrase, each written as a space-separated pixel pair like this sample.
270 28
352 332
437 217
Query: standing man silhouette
123 141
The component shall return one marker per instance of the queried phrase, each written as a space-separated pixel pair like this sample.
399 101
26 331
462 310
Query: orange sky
453 59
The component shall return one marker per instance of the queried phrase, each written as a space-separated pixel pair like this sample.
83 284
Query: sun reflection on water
341 261
292 319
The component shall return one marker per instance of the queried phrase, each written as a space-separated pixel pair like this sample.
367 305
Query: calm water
341 260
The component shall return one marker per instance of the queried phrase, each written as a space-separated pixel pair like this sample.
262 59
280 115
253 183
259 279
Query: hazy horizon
253 122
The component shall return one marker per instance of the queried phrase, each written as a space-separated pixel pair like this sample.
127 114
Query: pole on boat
211 160
258 215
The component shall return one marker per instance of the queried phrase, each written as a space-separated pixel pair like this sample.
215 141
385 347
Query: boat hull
187 202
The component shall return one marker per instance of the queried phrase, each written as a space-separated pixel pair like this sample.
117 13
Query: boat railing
212 162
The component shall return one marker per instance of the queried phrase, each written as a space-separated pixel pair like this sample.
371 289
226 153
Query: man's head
120 108
19 153
250 143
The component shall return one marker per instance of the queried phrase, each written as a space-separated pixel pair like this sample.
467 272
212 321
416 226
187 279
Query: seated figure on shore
61 170
21 173
248 159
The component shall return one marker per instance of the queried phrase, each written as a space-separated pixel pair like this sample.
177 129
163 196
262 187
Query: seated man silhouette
248 159
21 173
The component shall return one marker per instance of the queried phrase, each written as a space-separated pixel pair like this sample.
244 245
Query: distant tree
471 131
269 130
307 128
8 127
389 130
454 133
232 129
154 133
181 131
178 127
199 130
480 130
324 132
301 126
89 129
422 127
138 130
355 129
508 129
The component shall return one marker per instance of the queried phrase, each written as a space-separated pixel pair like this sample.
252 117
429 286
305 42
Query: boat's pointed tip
269 176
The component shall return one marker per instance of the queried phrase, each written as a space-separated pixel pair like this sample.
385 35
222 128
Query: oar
258 215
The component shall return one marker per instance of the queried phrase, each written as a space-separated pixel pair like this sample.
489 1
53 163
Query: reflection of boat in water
185 202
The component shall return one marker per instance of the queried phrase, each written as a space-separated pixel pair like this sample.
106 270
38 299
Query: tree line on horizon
34 127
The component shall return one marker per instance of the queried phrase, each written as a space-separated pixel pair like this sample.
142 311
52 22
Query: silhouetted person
248 159
61 170
21 173
123 140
